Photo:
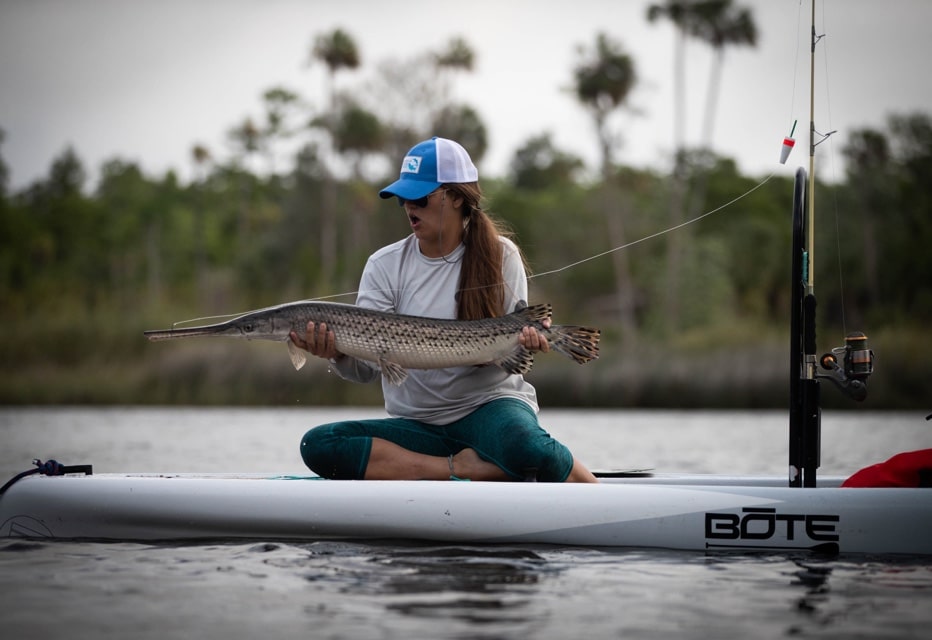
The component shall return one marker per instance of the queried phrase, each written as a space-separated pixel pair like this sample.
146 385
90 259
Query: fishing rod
856 357
847 367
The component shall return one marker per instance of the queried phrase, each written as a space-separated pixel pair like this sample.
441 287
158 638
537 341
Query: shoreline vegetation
692 315
86 362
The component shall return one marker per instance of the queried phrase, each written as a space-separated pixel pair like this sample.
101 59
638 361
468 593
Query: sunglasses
420 203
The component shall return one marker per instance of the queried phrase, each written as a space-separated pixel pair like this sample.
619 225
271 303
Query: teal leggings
504 431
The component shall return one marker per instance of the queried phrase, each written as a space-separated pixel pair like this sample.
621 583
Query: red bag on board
909 469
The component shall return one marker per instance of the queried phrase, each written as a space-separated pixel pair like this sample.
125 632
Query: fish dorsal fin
298 357
393 372
520 361
535 313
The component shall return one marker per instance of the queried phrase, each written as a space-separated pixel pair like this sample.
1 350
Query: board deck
670 511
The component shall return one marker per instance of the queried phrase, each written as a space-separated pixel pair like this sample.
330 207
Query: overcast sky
146 80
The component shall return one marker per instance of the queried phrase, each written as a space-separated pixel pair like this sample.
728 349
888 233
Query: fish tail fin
578 343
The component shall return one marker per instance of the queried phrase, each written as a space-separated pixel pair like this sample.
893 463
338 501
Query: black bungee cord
48 468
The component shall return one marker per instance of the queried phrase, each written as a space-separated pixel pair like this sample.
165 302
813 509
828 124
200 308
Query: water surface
397 589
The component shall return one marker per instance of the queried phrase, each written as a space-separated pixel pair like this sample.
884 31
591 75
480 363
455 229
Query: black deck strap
48 468
624 473
86 469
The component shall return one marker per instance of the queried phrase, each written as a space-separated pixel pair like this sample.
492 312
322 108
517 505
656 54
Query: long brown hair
481 291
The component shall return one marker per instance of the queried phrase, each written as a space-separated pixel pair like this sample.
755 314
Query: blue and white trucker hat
430 164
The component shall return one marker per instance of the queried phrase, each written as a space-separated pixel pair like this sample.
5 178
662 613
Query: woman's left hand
533 340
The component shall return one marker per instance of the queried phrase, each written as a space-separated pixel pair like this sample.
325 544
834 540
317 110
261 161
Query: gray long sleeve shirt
399 279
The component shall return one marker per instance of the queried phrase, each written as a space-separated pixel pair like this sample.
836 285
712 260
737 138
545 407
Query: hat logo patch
411 164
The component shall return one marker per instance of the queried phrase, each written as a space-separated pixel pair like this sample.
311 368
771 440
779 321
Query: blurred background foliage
695 316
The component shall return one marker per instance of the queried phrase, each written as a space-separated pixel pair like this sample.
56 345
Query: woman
476 423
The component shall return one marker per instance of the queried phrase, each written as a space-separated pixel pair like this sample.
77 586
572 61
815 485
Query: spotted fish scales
399 342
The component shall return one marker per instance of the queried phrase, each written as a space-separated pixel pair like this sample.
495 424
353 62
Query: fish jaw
222 330
249 327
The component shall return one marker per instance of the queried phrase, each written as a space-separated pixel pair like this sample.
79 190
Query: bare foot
468 465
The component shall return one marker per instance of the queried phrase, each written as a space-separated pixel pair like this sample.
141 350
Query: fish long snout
155 335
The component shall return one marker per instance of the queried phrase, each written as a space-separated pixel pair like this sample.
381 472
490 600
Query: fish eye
249 327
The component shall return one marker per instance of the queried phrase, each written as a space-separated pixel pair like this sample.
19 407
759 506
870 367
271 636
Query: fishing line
799 20
619 248
175 325
834 172
657 234
545 273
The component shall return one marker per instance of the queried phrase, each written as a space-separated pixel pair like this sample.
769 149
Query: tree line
294 213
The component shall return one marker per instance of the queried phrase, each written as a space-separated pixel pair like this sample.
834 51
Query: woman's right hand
317 340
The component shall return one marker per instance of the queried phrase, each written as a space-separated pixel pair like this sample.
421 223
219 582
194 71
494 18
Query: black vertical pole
797 291
805 417
812 414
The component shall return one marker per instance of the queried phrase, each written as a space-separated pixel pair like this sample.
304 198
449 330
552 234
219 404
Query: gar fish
400 342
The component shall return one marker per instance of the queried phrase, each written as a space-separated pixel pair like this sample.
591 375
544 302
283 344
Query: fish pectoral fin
393 372
520 360
297 355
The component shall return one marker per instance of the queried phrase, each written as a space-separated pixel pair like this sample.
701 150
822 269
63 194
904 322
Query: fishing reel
850 366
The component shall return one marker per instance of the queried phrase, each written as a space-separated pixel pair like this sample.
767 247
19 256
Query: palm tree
676 11
719 24
280 106
247 140
459 55
459 122
358 133
603 82
337 50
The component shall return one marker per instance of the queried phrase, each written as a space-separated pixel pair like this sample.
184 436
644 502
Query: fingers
317 340
533 340
544 345
296 340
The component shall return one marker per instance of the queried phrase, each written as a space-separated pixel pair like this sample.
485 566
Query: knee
535 453
315 455
551 460
331 454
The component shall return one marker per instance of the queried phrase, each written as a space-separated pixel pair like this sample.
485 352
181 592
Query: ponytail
481 292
